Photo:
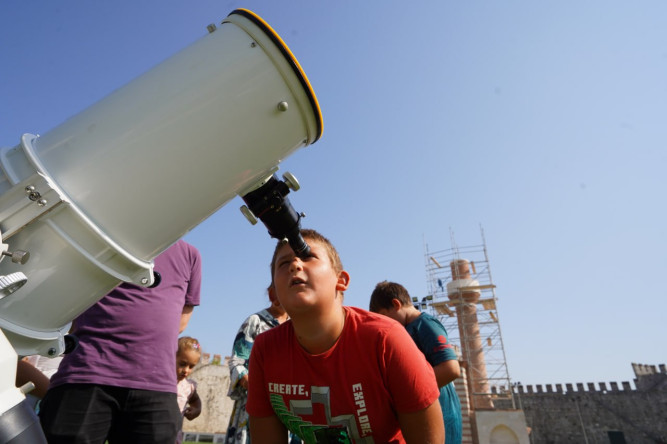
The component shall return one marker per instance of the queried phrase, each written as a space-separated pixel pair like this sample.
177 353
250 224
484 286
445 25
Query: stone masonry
602 413
212 384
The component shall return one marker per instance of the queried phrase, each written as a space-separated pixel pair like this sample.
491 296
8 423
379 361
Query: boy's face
302 284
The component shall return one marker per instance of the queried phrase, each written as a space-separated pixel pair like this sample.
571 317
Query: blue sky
542 122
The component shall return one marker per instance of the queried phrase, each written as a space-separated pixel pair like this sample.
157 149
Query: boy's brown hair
309 234
385 292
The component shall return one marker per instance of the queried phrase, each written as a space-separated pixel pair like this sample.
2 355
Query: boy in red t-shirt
333 373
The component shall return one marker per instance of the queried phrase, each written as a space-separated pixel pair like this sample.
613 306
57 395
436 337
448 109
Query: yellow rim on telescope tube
298 71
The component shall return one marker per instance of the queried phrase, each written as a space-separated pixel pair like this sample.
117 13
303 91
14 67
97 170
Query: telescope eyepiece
270 204
299 245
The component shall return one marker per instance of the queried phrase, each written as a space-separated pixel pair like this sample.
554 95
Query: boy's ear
272 296
396 304
343 281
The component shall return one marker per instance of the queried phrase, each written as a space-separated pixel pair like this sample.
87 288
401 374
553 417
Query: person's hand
191 412
243 382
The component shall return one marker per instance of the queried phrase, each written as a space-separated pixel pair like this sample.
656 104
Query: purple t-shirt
130 337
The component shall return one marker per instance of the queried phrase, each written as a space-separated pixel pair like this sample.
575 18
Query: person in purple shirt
119 384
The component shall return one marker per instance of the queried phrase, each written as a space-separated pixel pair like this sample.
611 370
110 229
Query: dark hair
385 292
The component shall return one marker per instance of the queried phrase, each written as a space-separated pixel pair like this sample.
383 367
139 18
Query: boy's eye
283 263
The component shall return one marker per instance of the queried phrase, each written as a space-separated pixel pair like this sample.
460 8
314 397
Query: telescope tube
95 199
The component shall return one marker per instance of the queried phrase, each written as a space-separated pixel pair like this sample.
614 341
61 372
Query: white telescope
94 200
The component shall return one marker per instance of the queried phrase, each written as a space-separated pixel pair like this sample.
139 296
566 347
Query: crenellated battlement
645 370
647 377
562 412
589 387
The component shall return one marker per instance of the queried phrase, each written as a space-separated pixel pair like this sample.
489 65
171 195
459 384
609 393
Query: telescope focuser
269 203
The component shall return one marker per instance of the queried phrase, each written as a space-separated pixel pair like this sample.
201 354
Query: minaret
464 294
463 298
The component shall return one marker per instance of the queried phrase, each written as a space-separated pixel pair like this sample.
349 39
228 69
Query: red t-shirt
354 389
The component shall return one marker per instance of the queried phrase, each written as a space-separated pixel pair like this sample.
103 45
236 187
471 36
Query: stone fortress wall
598 413
212 377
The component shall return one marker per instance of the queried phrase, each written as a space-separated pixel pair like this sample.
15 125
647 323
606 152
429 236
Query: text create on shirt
288 389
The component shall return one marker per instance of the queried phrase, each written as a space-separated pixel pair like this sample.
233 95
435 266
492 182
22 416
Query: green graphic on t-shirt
310 433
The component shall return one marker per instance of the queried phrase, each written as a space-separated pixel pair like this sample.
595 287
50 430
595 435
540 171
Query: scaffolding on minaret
463 297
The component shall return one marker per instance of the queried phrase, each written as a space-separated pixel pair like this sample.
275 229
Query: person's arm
185 317
26 372
446 372
269 430
424 426
194 406
192 293
243 382
238 372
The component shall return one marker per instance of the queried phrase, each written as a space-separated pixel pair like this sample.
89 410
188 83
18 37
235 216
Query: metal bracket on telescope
13 281
269 203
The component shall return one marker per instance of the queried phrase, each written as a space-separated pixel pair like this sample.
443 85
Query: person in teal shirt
393 300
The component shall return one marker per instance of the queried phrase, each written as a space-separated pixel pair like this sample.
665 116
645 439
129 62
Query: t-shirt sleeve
192 295
435 343
409 378
258 403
